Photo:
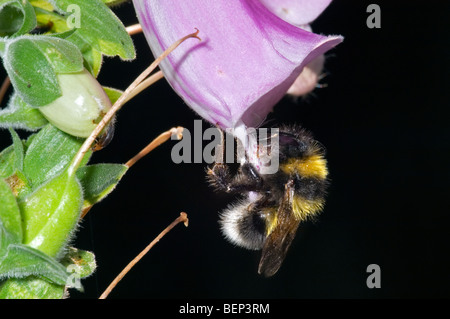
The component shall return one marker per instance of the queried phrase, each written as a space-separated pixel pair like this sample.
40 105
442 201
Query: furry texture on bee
273 205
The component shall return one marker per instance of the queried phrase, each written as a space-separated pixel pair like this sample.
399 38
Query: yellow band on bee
301 208
304 208
312 166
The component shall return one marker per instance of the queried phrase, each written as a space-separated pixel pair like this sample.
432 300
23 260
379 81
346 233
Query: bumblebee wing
279 240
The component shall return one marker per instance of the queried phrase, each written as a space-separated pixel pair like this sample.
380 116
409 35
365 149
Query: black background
383 118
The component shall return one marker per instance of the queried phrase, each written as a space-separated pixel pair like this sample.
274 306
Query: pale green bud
81 107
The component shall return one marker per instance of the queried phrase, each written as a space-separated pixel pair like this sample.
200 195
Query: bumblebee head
298 143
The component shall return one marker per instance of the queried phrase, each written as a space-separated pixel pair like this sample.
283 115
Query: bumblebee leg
249 171
219 177
248 179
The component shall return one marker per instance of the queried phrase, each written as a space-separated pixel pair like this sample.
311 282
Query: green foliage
78 36
40 207
32 63
41 197
51 213
82 260
18 150
10 221
113 2
31 287
113 94
19 114
109 36
99 180
22 261
16 17
7 162
52 279
48 154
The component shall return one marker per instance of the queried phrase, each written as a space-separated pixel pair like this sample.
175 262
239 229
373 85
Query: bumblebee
273 205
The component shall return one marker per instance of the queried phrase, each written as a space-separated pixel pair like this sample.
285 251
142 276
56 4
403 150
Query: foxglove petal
247 60
297 12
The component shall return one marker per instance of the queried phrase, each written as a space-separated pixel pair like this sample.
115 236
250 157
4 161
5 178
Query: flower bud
81 107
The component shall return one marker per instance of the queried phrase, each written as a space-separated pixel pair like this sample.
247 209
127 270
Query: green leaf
10 222
28 141
83 261
32 63
31 74
29 20
98 30
30 288
113 94
99 180
20 115
50 20
93 58
41 4
2 47
62 54
58 26
7 162
11 158
23 261
49 153
50 214
113 2
99 27
11 18
18 149
16 17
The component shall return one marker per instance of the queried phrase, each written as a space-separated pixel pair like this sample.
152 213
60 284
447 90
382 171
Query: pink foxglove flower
248 57
301 13
297 12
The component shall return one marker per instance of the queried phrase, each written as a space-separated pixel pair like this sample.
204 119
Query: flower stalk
181 219
121 101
